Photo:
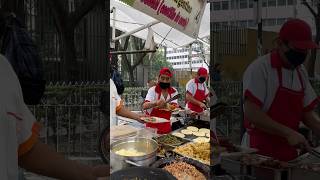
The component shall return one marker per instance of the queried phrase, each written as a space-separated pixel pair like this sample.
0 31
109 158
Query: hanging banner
183 15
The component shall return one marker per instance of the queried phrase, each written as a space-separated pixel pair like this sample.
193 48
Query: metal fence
71 118
90 40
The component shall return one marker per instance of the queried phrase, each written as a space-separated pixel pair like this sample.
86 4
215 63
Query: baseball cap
202 71
165 71
298 33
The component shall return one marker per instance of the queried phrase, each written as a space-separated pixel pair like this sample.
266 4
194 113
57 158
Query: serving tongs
315 153
307 157
167 101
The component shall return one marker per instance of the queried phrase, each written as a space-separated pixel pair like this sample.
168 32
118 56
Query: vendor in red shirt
197 92
155 102
278 95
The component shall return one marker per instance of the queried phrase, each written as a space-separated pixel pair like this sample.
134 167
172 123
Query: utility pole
258 18
190 58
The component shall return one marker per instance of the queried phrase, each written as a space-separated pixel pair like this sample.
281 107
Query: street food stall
189 153
186 149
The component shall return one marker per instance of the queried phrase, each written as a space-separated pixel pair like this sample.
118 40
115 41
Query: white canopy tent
128 19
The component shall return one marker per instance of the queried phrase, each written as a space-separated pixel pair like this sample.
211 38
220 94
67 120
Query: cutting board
122 131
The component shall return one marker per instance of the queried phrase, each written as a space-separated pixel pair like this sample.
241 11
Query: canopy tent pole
132 52
203 42
136 30
113 10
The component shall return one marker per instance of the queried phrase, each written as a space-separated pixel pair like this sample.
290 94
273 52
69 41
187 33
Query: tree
16 6
66 22
139 58
138 44
316 14
158 62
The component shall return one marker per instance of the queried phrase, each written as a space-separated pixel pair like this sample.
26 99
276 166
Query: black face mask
202 79
295 58
164 85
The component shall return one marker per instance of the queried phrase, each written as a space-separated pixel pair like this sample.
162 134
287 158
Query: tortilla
201 140
178 134
192 128
186 131
199 134
205 130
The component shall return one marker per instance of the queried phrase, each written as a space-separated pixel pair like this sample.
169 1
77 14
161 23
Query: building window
271 22
233 23
281 21
243 24
250 3
225 5
264 22
224 24
272 3
264 3
234 4
251 23
281 2
216 6
243 4
290 2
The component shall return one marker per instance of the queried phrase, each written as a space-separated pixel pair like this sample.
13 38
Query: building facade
186 61
274 13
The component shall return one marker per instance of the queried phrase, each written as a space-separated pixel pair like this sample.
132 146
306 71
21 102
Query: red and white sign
183 15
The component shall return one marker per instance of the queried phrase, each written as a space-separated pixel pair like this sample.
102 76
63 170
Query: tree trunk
69 58
131 77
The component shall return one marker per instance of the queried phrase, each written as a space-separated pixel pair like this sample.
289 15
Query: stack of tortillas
203 134
181 135
201 139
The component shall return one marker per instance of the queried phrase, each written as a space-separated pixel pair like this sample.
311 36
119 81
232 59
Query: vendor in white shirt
278 95
155 102
117 108
197 92
19 143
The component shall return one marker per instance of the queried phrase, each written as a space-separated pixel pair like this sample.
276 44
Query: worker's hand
203 106
172 106
297 140
140 119
161 103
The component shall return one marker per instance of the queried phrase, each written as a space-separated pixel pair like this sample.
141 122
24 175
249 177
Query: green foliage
158 62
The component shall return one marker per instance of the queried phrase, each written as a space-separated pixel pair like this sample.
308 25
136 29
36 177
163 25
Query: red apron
163 128
200 95
287 109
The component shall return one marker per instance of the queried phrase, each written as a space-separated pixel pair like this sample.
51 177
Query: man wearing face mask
155 102
278 95
197 92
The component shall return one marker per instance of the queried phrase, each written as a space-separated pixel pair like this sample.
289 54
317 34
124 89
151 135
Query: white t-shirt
261 82
18 130
115 103
191 88
153 96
